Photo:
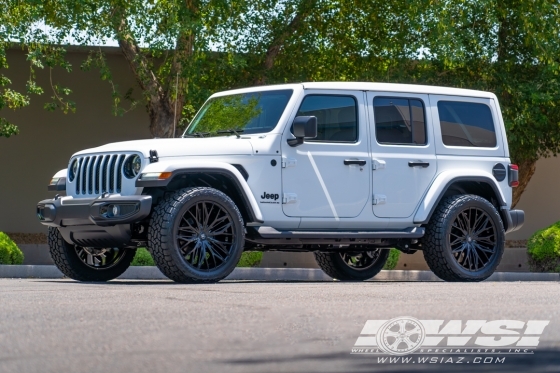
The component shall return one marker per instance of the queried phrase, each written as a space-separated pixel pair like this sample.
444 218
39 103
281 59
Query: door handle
359 162
418 164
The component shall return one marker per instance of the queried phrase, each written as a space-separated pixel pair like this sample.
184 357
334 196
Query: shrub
250 259
543 249
393 259
9 252
142 258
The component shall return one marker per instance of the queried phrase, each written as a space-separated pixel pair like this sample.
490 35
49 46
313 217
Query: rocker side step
412 232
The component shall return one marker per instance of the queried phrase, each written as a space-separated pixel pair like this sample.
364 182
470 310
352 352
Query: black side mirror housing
303 128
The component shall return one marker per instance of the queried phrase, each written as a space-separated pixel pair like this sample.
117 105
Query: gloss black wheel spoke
206 235
472 239
99 258
361 261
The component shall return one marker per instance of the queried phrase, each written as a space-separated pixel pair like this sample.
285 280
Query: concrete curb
268 274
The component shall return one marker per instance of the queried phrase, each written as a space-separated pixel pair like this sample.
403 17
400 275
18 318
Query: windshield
255 112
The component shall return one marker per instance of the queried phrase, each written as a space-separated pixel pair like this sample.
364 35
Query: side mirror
302 128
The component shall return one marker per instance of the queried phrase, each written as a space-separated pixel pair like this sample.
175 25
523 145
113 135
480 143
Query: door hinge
379 199
289 198
377 164
289 162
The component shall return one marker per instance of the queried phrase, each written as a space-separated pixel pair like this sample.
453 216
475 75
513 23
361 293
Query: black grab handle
359 162
418 164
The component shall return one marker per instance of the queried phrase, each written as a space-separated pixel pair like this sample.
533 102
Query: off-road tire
334 266
436 242
67 261
162 242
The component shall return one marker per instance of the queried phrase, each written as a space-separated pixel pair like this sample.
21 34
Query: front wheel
464 239
353 266
196 235
88 263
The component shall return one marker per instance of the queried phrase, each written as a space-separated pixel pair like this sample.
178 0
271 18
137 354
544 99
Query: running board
413 232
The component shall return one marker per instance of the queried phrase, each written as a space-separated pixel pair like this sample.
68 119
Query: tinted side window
399 121
336 117
466 124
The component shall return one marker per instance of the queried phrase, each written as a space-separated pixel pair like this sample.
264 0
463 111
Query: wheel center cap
469 239
202 236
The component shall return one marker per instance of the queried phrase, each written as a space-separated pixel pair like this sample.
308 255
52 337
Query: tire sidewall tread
66 260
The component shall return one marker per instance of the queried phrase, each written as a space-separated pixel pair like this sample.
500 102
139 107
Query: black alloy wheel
473 239
196 235
205 235
86 263
353 265
361 261
464 239
100 258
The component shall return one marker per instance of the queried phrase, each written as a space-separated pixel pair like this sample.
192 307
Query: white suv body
382 158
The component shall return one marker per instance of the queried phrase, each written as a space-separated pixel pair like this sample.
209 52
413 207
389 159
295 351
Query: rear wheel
196 235
88 263
352 265
464 239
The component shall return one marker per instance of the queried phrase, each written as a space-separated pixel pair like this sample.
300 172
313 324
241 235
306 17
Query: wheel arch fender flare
444 181
225 169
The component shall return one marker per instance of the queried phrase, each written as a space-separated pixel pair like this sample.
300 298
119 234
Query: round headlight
132 166
73 170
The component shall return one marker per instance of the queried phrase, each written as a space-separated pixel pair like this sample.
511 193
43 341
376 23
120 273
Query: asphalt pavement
234 326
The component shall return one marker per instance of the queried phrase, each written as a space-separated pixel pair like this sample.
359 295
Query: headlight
73 170
132 166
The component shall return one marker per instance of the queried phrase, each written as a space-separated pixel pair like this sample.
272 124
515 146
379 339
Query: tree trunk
166 97
162 118
526 170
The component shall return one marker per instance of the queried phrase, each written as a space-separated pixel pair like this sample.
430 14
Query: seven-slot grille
98 174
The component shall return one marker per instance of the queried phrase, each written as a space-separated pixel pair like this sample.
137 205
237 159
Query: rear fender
442 183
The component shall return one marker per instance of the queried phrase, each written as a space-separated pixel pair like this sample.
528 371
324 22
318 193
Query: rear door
403 152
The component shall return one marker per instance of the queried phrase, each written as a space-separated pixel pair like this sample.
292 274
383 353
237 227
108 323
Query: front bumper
109 211
514 219
99 222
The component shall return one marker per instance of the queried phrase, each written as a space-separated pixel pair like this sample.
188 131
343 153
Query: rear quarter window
466 124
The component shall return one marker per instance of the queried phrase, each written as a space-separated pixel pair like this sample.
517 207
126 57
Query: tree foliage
182 51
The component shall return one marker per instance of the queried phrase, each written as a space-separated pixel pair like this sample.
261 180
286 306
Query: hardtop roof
396 87
367 86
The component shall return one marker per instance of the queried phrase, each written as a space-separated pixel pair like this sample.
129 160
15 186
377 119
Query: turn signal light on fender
156 176
513 175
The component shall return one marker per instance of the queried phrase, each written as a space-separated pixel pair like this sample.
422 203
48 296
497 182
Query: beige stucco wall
540 201
47 140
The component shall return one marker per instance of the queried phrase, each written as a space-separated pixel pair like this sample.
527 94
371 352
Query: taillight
513 175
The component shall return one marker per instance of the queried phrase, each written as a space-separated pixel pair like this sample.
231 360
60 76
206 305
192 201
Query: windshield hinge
153 156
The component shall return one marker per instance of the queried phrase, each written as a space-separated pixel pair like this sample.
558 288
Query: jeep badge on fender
365 167
270 196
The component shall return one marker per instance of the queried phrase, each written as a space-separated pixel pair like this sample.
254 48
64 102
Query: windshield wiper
232 131
197 134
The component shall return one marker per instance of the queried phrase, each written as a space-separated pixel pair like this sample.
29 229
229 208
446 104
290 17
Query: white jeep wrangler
346 170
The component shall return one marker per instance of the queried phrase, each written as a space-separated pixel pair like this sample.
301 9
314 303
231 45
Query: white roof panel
393 87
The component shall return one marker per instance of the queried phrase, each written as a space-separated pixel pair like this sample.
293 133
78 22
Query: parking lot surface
159 326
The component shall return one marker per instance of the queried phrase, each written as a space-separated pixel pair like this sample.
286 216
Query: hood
179 147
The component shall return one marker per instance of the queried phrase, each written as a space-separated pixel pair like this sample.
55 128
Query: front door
403 152
328 176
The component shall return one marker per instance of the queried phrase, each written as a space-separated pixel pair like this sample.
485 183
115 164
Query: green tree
182 51
179 51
